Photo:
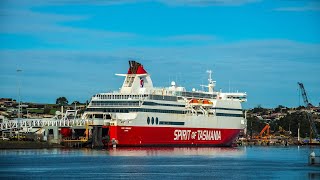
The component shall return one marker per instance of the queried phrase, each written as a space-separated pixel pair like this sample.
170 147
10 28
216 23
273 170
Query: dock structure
67 120
81 130
39 123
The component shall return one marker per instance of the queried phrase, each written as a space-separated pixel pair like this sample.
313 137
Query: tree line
63 101
291 122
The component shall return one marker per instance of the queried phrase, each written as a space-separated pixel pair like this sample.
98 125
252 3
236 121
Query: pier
71 132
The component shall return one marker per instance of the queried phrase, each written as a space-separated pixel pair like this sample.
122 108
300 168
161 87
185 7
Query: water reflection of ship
178 151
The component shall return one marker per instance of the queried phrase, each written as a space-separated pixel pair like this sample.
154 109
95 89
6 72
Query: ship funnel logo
141 82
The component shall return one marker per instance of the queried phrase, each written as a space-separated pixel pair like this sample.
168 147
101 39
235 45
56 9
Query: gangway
65 121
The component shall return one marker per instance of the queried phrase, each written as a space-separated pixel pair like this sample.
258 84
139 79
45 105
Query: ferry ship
140 114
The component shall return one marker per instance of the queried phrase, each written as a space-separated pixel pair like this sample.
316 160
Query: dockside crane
313 128
264 133
266 128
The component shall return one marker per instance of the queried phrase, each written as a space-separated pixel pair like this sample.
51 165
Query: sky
74 48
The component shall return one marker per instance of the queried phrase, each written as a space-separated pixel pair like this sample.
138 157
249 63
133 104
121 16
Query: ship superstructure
142 115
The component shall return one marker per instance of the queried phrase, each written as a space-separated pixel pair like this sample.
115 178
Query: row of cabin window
163 97
197 95
229 115
235 97
152 120
171 123
127 110
157 97
231 109
157 111
156 121
115 103
133 103
161 104
112 96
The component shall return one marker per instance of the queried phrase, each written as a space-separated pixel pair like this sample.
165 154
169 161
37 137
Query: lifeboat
206 102
194 102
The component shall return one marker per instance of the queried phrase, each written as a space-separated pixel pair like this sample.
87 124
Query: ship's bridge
242 97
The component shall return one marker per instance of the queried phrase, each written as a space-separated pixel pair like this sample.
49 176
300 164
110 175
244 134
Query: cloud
22 18
259 67
242 50
263 68
52 29
49 74
190 37
208 2
26 21
312 6
119 2
19 3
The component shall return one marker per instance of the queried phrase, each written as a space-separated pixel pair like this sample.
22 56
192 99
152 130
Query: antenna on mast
210 75
211 82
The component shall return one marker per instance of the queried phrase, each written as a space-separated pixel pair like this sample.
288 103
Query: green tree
279 109
259 109
75 102
62 101
46 110
292 121
255 125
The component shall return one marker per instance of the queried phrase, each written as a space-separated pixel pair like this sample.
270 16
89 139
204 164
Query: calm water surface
160 163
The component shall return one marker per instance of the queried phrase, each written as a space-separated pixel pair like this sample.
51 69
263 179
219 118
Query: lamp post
19 105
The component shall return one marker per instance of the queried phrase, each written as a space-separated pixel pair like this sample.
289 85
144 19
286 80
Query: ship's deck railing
118 104
117 96
30 123
161 94
151 94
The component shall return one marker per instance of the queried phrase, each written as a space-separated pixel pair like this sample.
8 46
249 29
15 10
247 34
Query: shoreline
27 145
4 145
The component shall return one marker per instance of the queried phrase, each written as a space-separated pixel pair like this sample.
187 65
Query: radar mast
212 83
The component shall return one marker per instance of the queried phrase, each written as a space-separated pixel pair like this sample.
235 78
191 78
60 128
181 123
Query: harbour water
160 163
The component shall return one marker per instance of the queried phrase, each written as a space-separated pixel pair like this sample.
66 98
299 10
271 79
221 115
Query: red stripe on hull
172 136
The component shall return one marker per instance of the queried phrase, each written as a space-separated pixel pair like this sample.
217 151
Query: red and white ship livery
142 115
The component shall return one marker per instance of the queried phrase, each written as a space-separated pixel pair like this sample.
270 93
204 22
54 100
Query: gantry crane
313 128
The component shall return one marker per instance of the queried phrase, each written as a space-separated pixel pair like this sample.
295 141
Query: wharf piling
97 137
51 134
